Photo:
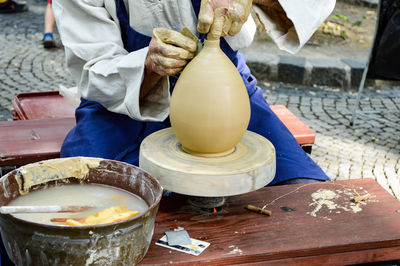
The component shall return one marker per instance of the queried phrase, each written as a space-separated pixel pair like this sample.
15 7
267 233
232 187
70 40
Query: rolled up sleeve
306 16
103 70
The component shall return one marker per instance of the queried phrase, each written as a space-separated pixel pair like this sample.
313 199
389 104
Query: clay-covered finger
226 28
167 71
205 17
175 38
167 62
235 28
172 71
171 51
161 65
218 24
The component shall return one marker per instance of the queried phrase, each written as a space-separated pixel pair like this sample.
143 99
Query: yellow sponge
110 215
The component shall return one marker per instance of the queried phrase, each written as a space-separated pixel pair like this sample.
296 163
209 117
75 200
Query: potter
125 57
128 54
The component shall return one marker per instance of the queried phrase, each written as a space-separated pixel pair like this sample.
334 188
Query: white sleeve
245 36
306 16
103 70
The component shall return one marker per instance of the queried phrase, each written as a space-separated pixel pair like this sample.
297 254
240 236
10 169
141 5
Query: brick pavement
370 149
25 65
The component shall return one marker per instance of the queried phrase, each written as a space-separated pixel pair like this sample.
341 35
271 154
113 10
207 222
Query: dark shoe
13 7
48 40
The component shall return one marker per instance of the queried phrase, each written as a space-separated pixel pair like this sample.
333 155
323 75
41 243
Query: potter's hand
169 52
235 14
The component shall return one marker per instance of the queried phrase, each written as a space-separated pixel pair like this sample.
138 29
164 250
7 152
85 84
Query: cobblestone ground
24 65
370 149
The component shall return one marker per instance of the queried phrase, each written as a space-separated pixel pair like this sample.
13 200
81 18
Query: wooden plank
41 105
303 134
332 235
28 141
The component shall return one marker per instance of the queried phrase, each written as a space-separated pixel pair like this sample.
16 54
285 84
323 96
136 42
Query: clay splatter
235 250
334 201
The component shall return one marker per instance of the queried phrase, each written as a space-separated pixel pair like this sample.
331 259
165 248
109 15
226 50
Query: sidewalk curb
345 73
366 3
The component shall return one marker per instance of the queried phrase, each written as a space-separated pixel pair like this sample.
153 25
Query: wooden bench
28 141
303 134
40 105
45 118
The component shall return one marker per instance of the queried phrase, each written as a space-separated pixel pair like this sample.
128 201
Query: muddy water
78 194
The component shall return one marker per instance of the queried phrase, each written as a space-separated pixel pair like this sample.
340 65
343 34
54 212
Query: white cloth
105 72
306 16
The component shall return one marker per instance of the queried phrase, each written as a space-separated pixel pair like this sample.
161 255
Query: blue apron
101 133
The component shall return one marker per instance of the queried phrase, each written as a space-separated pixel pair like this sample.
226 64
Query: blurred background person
49 22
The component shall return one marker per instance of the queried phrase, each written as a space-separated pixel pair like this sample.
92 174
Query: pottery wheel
251 166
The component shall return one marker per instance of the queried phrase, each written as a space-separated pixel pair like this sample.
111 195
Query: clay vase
209 108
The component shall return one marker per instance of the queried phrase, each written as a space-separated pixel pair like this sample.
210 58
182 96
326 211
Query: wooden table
304 236
28 141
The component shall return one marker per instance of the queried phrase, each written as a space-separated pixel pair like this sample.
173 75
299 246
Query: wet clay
209 108
56 169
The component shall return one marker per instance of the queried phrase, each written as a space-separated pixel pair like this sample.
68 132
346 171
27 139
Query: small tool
361 198
40 209
109 215
180 237
63 220
259 210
